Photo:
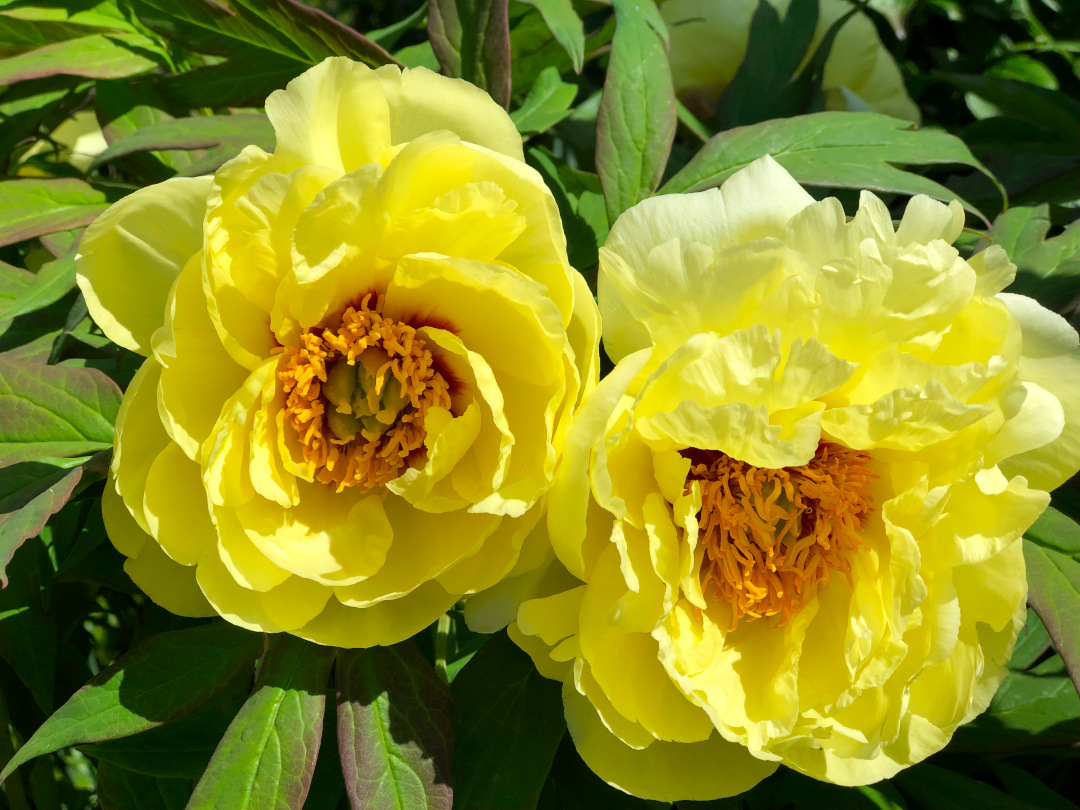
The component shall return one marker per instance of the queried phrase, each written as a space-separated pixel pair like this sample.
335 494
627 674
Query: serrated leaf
97 56
509 722
635 125
54 411
834 150
27 633
565 25
30 493
30 208
1054 594
120 789
394 730
471 39
248 29
196 132
547 103
266 758
167 677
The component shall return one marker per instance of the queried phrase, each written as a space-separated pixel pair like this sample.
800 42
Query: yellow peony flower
791 515
362 353
709 39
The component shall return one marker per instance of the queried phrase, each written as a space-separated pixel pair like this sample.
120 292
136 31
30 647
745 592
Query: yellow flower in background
791 516
709 40
77 141
362 354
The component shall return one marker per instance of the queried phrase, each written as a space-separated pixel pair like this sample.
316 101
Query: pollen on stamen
773 536
369 458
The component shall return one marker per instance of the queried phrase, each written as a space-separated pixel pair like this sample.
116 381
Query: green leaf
1054 594
30 208
233 83
471 39
14 281
942 789
1033 642
509 722
266 758
255 29
54 411
832 149
1026 102
565 25
30 493
98 56
1028 711
120 789
548 103
1056 531
1047 269
52 282
636 122
196 132
581 206
180 749
124 108
1024 785
764 85
167 677
27 633
394 730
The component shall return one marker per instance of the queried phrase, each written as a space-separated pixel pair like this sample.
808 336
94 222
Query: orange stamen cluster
772 536
371 458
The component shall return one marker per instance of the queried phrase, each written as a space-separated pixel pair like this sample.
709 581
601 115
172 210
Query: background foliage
108 701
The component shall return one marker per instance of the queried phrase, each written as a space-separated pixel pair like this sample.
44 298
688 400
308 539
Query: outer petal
168 584
130 256
333 115
1051 360
421 101
664 771
139 437
377 625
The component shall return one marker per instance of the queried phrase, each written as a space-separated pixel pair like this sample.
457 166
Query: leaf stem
442 637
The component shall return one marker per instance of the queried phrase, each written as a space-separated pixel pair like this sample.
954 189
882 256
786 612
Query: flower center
356 395
772 536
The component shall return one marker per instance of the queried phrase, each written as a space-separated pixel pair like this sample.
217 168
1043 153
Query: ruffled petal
130 256
664 771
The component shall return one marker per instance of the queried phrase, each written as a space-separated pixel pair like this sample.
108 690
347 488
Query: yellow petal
167 583
421 101
251 211
664 771
235 604
176 508
197 375
120 526
380 624
333 115
329 537
130 256
140 437
1051 360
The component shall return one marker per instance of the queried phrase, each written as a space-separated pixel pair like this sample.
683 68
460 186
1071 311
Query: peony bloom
709 38
793 511
362 353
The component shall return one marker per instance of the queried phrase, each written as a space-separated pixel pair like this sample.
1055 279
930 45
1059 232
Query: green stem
442 637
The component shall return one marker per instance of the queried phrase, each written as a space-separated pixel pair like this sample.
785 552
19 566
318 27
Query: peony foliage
539 404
